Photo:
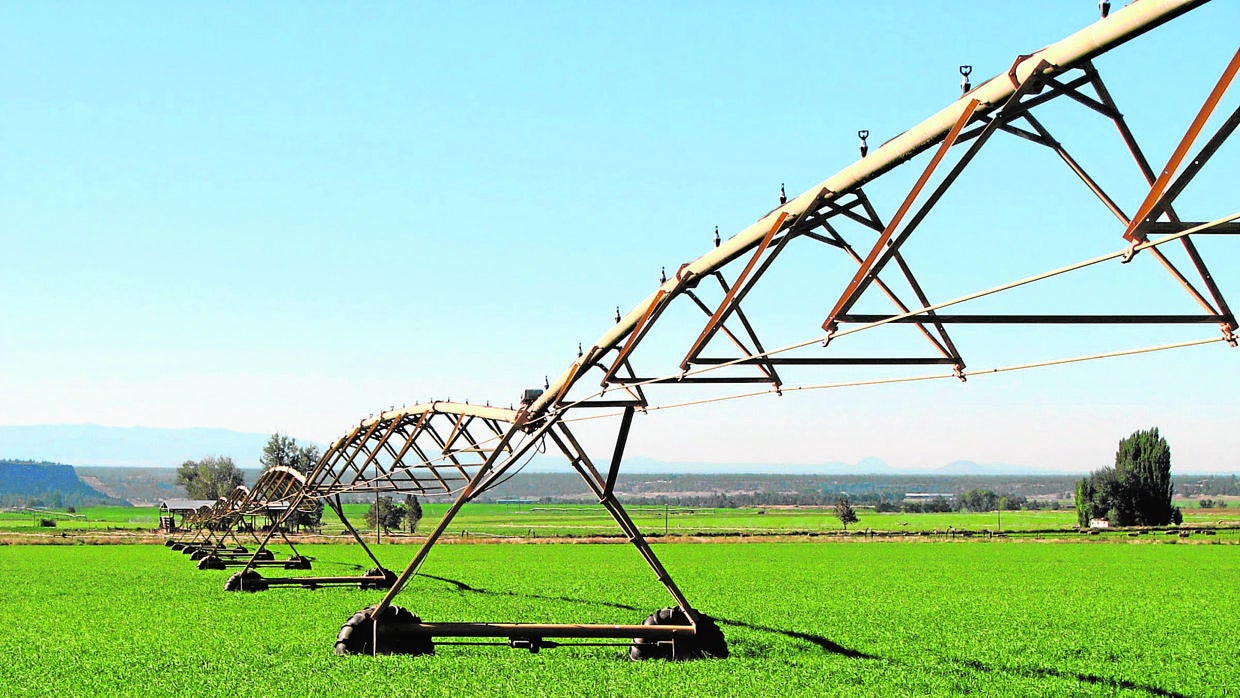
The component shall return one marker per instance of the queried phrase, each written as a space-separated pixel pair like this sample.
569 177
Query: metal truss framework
445 448
428 449
465 450
212 538
209 529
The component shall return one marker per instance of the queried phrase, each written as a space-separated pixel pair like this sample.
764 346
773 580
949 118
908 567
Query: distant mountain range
90 444
865 466
94 445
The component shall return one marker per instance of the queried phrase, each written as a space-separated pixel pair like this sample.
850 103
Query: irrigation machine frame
446 448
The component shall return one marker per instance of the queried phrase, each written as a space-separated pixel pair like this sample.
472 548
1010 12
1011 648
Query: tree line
216 476
1135 491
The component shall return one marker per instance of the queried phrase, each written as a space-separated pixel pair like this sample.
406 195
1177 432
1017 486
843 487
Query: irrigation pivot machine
859 308
210 534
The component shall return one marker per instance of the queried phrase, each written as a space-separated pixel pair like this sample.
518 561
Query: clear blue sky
289 216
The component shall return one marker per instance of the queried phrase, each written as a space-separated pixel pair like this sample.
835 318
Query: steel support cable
914 379
1072 51
518 469
895 318
360 485
592 417
444 457
968 374
1119 254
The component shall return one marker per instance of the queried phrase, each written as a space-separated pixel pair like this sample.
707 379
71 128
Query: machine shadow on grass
826 644
1077 676
831 647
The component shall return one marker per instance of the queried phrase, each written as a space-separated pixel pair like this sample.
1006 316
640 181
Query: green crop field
86 518
543 520
984 618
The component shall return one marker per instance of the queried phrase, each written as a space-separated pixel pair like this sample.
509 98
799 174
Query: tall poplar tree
1137 491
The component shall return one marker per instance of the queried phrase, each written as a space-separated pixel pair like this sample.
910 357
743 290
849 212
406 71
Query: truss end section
830 327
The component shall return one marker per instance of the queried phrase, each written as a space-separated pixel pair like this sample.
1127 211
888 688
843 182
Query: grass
801 619
86 519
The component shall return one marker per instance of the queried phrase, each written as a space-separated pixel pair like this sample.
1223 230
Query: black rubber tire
177 546
199 554
297 563
264 555
188 549
169 543
384 579
246 581
397 633
211 562
708 642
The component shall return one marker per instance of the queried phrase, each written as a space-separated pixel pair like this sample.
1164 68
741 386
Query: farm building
169 509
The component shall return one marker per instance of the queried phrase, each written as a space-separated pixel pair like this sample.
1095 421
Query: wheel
707 642
396 633
211 562
383 579
297 563
246 581
169 543
177 546
264 555
198 555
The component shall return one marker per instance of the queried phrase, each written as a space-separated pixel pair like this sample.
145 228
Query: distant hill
91 444
142 486
150 485
865 466
148 447
968 467
29 483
